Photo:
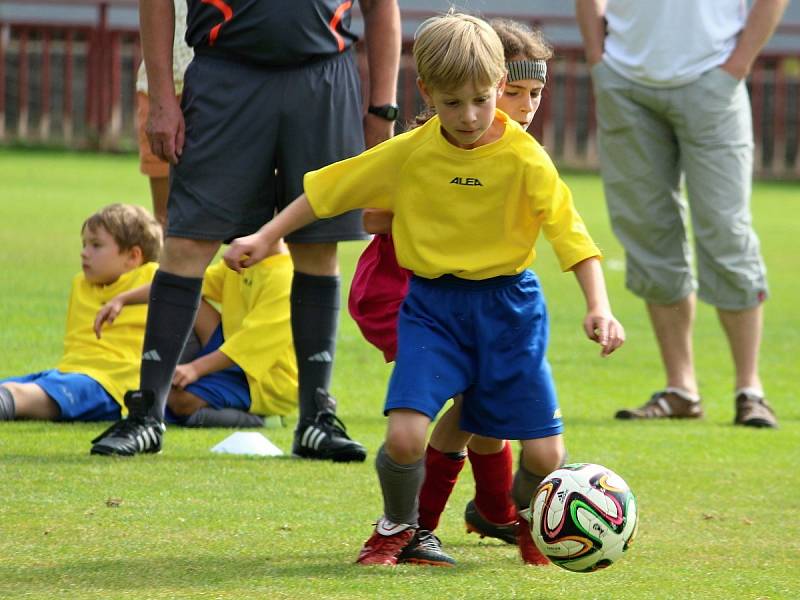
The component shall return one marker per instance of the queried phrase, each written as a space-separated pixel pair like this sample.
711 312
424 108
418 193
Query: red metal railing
73 85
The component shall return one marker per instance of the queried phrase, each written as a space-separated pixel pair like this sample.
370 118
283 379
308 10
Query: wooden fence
74 86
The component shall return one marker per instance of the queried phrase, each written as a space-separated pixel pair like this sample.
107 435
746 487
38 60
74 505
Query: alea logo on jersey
474 181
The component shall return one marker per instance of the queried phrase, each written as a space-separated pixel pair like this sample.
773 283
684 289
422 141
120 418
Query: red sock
494 474
441 472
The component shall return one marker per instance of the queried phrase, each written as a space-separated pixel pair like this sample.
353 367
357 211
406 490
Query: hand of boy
603 328
245 252
184 375
107 313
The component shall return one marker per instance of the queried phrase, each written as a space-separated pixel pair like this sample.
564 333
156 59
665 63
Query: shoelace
429 541
331 422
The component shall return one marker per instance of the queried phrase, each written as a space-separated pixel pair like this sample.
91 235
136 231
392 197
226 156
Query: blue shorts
222 389
486 339
79 397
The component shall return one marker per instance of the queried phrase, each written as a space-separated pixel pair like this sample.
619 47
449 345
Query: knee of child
543 458
183 404
404 448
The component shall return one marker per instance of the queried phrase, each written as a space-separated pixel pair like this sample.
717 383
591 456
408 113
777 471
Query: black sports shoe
477 523
425 549
139 432
326 437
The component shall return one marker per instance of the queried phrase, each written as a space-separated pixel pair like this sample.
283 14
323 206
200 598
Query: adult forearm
157 30
382 35
590 15
761 23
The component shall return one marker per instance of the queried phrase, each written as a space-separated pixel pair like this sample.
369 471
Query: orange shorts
149 163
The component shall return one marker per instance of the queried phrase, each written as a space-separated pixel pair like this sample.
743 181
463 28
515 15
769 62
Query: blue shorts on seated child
222 389
486 339
79 397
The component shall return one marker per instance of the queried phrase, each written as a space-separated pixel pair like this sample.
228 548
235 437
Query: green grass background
719 505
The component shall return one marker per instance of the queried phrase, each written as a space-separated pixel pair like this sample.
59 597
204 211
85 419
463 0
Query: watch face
390 112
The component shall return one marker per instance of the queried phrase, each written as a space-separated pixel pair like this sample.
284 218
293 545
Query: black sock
170 316
7 407
315 317
223 417
400 485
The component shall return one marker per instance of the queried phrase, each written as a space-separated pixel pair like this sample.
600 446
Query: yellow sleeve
562 225
366 180
265 331
213 282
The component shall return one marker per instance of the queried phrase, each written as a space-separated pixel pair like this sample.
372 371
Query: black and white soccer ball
583 517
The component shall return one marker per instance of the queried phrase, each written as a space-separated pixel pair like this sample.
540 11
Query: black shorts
252 132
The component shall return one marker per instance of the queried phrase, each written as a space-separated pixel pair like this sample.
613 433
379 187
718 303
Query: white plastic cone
247 442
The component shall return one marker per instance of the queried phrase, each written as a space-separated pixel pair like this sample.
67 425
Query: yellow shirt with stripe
113 360
257 329
473 213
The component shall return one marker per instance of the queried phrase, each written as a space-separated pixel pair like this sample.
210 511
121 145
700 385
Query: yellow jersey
113 360
473 213
256 324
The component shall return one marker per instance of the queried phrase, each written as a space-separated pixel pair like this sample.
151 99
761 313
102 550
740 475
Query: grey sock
400 485
223 417
191 348
7 407
525 484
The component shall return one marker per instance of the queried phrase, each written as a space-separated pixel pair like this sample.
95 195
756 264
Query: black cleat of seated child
136 434
325 437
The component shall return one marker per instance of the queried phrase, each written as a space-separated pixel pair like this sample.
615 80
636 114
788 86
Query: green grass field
719 505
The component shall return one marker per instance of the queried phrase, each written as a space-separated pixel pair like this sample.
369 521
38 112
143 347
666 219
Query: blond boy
470 192
121 244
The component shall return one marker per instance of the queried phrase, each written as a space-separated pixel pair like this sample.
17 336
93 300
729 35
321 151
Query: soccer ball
583 517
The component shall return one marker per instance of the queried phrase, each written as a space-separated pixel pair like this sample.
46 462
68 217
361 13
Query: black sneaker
425 549
326 437
477 523
138 433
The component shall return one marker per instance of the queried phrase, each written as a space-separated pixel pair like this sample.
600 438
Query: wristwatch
390 112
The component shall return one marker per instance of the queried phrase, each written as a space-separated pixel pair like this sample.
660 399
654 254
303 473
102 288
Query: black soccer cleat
325 438
425 549
477 523
138 433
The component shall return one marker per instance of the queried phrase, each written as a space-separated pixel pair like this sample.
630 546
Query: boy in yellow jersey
121 244
470 192
378 289
245 367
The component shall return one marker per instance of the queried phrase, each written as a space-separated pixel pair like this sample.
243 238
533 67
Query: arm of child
190 372
248 250
599 324
109 311
377 220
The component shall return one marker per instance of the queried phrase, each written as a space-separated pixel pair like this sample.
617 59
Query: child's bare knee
184 404
404 448
543 456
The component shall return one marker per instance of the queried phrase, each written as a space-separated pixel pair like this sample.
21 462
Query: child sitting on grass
243 366
378 289
121 244
470 191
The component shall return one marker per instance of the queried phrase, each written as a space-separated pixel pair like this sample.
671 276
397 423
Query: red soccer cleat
527 549
384 549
